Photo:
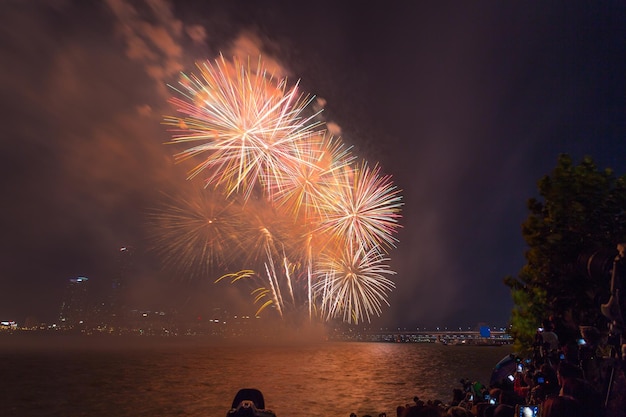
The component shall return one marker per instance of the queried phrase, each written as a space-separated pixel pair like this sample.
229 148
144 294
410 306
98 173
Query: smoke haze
465 105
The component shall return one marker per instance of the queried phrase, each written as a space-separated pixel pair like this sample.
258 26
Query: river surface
200 378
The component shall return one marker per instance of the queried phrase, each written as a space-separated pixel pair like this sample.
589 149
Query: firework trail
313 226
269 240
261 294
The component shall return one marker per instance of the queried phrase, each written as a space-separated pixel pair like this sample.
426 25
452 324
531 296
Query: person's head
411 411
568 370
560 407
429 411
546 368
548 326
504 410
457 396
479 409
456 411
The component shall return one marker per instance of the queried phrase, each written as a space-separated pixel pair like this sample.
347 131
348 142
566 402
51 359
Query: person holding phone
523 383
495 396
468 401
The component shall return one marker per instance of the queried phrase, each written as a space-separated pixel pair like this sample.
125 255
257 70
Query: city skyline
80 308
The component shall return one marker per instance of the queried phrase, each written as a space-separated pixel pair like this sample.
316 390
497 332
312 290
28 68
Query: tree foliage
581 212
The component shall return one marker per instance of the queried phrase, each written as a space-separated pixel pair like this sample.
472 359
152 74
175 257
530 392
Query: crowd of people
543 391
556 381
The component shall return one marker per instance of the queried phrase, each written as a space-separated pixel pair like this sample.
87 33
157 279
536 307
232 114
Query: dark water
200 378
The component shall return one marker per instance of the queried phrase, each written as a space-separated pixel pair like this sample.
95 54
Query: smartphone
511 378
492 401
562 356
527 411
581 342
520 367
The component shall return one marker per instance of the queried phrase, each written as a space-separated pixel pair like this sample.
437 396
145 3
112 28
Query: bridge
482 337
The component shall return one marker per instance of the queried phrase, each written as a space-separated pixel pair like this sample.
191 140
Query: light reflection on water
319 379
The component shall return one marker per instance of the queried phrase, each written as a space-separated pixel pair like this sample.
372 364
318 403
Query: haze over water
199 378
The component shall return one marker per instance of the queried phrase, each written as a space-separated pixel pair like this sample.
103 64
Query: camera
249 402
527 411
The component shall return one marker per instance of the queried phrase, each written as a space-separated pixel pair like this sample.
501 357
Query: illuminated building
8 325
75 307
118 308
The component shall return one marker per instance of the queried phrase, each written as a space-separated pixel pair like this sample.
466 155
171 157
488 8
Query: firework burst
195 232
353 285
245 123
306 184
307 226
364 209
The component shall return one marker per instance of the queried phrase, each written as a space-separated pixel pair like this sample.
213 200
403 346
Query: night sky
466 104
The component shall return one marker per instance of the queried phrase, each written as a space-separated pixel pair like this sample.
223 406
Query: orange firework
312 227
243 121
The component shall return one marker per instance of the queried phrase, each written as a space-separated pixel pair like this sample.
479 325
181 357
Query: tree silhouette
581 212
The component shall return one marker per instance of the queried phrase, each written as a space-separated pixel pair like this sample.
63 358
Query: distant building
118 308
75 307
8 325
